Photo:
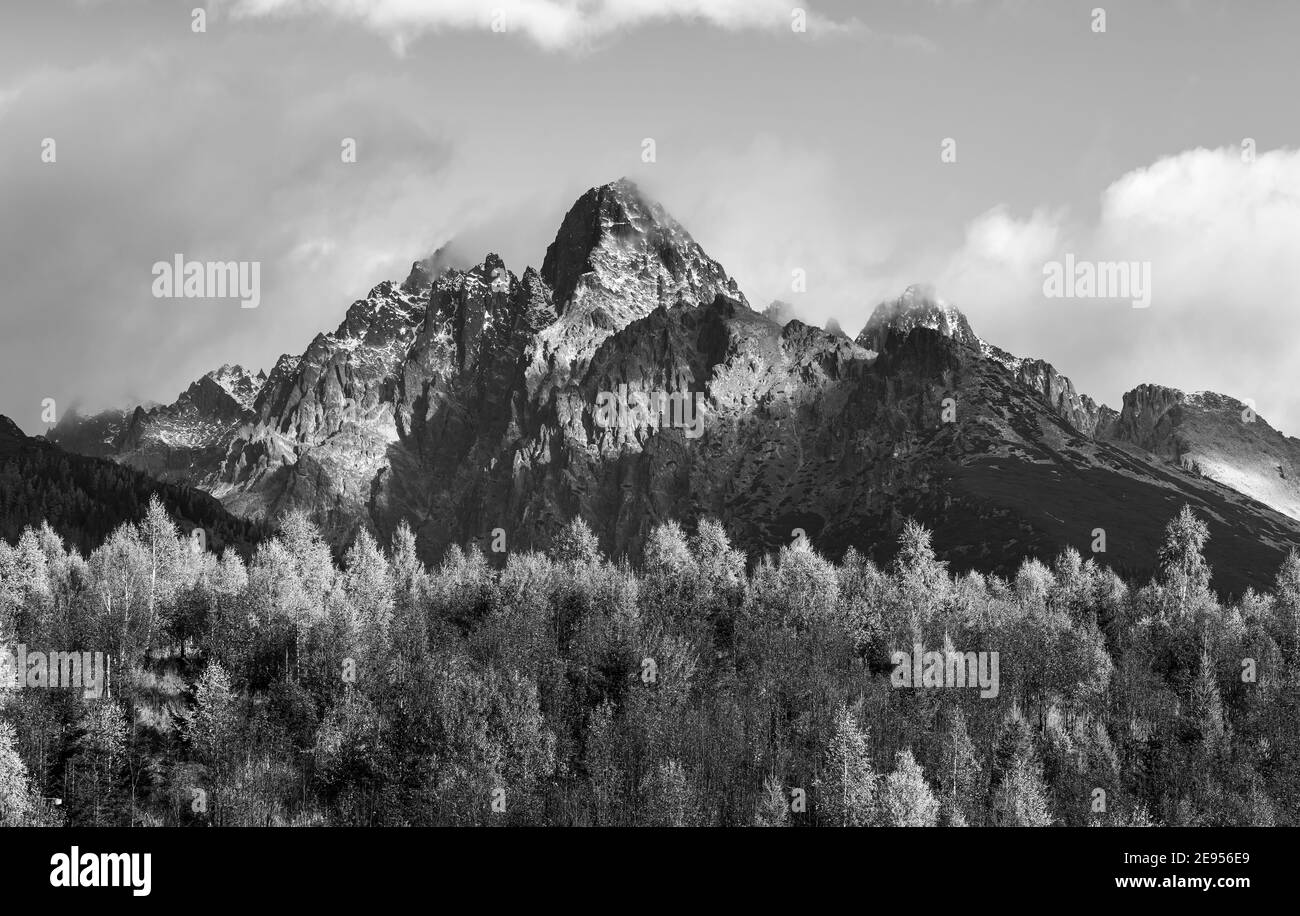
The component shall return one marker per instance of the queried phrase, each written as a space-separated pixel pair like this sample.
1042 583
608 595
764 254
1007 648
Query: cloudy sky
478 123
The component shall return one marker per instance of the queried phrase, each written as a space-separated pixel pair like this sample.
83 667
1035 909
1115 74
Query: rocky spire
620 253
918 307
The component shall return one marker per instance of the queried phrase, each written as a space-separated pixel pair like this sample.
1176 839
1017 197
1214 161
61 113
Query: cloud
552 24
996 237
270 187
774 206
1001 255
1222 236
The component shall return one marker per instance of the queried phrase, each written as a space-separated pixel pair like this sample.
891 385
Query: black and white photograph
454 423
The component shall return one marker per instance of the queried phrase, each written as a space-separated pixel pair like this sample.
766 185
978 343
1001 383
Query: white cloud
552 24
1002 257
1223 239
773 206
999 238
271 190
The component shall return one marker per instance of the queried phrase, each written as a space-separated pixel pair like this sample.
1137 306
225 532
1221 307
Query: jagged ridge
462 401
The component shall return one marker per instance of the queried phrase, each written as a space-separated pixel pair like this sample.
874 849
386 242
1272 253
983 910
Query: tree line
694 688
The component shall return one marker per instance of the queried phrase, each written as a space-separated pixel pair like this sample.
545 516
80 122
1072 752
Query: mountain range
85 498
462 402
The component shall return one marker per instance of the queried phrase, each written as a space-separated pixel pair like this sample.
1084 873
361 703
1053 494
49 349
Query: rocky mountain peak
1146 414
284 367
390 312
1151 413
1213 400
462 399
918 307
418 279
472 308
237 382
616 259
619 251
426 270
1214 436
535 296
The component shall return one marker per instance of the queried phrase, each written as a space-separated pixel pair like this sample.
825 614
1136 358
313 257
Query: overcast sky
778 150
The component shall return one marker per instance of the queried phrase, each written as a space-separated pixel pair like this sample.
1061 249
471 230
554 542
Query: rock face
325 421
1215 436
183 442
464 401
1079 410
615 259
920 307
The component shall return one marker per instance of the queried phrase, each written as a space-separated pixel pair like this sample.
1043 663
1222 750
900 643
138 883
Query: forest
695 686
84 499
